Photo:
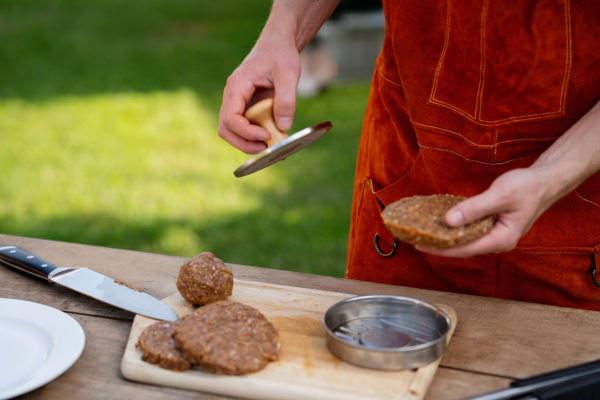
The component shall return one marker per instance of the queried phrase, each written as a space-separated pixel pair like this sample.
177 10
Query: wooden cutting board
305 369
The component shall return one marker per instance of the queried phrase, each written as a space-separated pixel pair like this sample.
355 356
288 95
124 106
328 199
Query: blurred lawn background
108 130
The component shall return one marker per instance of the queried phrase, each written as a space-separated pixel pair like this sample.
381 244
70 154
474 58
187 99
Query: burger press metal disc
386 332
283 149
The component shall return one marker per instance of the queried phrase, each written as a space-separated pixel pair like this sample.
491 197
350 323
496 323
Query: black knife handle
26 262
592 367
584 388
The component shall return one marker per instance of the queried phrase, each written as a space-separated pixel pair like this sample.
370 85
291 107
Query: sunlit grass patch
108 132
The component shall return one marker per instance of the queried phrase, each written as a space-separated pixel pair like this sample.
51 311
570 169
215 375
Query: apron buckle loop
594 270
381 253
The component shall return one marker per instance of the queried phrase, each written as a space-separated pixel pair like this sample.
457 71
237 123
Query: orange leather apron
464 91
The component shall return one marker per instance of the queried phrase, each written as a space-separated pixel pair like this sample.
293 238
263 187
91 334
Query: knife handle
261 114
591 367
26 262
583 388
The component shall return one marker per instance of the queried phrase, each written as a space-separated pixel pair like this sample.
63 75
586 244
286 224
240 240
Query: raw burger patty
419 220
228 338
204 279
157 342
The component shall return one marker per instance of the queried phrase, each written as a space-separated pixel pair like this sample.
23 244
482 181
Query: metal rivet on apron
381 253
594 270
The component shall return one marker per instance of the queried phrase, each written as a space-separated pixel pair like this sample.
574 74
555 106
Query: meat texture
228 338
157 343
420 220
204 279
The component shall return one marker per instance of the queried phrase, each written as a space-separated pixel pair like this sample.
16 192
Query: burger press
280 144
386 332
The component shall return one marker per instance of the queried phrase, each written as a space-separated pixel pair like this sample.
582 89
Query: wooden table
496 341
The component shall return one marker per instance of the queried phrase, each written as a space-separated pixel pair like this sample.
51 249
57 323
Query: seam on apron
479 100
396 85
485 146
527 118
470 159
436 74
586 200
494 155
531 117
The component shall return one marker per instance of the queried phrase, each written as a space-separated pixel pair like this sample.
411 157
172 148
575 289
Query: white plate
37 344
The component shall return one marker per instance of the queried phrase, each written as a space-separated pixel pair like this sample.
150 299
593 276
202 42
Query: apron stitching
530 117
443 55
478 106
499 122
529 140
486 146
569 56
495 140
390 81
470 159
452 132
586 200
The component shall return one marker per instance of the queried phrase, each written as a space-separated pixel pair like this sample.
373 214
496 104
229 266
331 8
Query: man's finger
240 143
284 102
497 240
473 209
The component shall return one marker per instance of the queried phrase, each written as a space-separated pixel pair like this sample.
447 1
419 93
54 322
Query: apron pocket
505 62
412 183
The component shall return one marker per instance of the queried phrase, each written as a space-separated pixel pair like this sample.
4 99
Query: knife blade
89 283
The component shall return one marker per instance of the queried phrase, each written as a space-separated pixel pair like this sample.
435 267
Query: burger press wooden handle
261 114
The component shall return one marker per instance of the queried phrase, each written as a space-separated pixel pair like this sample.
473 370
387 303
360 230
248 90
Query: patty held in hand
420 220
228 337
204 279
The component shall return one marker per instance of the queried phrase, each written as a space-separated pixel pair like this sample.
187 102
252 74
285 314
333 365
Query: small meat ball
204 279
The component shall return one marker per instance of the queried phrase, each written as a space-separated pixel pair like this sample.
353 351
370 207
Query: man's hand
271 69
517 198
520 196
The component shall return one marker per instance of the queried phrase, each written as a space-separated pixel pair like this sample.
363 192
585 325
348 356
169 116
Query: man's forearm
573 158
298 20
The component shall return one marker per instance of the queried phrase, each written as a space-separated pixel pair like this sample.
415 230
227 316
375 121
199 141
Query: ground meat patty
228 338
204 279
420 220
157 343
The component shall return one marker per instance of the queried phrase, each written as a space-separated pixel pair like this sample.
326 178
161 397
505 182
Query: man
497 101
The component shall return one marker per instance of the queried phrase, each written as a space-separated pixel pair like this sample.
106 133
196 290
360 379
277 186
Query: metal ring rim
381 253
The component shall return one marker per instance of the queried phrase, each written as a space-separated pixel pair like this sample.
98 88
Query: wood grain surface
305 369
495 342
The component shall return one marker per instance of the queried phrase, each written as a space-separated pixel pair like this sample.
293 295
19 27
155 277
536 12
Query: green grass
108 130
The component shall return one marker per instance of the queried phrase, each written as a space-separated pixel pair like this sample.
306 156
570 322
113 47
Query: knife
89 283
578 382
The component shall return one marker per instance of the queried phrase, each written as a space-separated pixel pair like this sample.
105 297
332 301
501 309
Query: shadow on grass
239 239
